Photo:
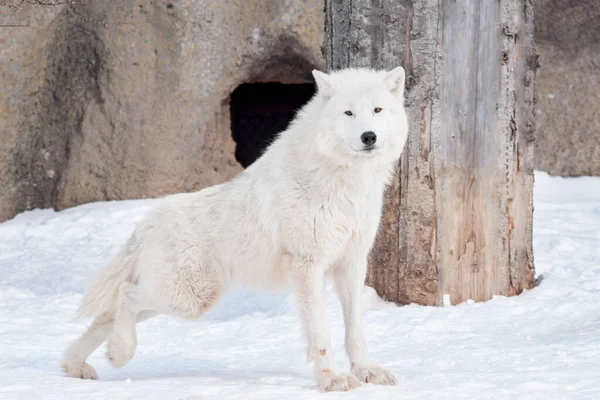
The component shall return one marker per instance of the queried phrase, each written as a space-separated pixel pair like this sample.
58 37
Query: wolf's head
361 114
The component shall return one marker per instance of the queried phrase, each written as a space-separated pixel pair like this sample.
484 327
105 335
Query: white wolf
308 207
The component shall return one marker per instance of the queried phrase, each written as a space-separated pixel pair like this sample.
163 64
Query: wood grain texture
457 218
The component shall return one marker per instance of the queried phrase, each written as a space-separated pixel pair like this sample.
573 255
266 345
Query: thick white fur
310 206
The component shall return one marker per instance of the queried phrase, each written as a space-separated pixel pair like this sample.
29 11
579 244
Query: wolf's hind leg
74 361
123 339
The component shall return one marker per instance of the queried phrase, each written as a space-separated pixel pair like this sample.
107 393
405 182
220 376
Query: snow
542 344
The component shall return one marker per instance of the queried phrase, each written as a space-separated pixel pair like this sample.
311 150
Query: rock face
22 65
104 100
568 87
116 100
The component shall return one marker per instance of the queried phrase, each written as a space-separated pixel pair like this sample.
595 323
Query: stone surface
568 87
112 100
116 100
23 61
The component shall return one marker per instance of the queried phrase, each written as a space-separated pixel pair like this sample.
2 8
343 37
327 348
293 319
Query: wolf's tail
102 295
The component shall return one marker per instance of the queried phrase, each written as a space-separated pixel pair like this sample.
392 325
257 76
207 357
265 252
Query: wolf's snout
368 138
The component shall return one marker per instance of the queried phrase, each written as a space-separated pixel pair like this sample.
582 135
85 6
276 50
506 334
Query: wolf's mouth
366 149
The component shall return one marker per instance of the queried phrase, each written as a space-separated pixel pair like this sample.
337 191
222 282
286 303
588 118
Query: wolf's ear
394 80
323 83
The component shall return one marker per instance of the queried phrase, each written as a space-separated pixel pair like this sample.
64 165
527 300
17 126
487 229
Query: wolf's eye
377 110
348 113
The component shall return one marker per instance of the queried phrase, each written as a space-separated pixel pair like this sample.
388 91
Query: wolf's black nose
368 138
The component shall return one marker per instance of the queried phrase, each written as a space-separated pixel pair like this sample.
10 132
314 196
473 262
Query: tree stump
457 220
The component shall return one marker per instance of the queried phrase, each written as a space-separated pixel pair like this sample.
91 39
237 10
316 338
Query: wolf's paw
119 351
332 382
80 370
374 374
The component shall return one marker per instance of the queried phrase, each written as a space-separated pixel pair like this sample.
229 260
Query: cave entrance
259 111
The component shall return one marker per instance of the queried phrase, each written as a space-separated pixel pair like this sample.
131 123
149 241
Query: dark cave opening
259 111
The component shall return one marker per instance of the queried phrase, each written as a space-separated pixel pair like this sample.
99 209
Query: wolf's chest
336 225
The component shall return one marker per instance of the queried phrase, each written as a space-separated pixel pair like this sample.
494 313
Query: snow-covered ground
543 344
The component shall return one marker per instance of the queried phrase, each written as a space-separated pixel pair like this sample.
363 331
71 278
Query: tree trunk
457 218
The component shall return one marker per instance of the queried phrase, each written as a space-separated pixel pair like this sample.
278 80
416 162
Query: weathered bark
458 215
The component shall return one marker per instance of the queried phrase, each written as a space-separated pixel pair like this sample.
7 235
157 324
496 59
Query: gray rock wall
129 99
568 87
104 100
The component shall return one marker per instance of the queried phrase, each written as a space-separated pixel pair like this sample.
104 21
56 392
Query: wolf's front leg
349 280
308 278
